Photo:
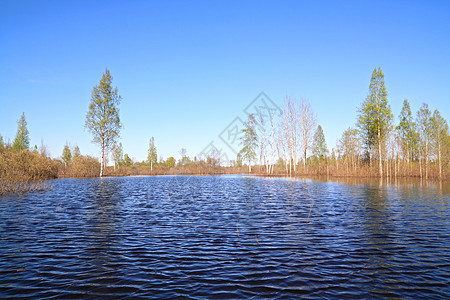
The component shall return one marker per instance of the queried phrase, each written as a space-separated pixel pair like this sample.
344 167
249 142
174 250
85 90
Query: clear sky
186 69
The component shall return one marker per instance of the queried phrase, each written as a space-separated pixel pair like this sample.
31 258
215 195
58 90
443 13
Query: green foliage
117 154
424 129
439 128
249 141
424 123
348 144
319 147
2 144
185 160
439 137
170 162
407 131
239 159
127 160
102 119
76 152
375 116
66 155
22 140
280 162
152 156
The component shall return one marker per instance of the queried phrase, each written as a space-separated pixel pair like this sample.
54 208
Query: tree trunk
420 164
102 159
426 159
379 152
439 157
304 159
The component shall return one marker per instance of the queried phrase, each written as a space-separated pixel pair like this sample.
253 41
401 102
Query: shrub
20 170
84 166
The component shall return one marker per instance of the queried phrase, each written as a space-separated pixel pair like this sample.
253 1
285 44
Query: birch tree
102 119
66 155
267 137
424 126
117 155
307 125
406 131
76 152
262 139
249 141
152 155
439 134
348 146
319 147
289 136
375 116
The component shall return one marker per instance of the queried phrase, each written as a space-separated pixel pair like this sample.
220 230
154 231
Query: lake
226 237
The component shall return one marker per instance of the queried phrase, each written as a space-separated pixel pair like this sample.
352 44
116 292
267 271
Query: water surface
225 237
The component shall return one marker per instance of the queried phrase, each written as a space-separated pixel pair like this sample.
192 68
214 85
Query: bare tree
272 141
266 135
262 139
307 126
288 131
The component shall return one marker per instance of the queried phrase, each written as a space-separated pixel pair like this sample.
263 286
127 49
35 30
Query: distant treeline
290 143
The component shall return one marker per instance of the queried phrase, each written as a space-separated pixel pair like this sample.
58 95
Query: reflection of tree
378 226
101 221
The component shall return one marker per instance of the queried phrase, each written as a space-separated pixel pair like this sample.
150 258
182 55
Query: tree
262 138
127 160
406 130
43 149
76 152
22 140
2 144
170 162
439 134
152 155
349 148
117 154
375 116
288 137
249 140
267 137
319 147
239 159
66 155
102 119
307 125
184 158
424 126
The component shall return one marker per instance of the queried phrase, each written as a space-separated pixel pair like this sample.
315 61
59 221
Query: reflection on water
227 237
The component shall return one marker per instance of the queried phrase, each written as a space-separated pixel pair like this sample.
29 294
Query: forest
287 144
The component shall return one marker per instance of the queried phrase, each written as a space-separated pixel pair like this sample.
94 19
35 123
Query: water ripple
196 237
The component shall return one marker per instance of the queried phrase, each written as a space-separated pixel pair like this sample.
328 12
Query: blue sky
186 69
